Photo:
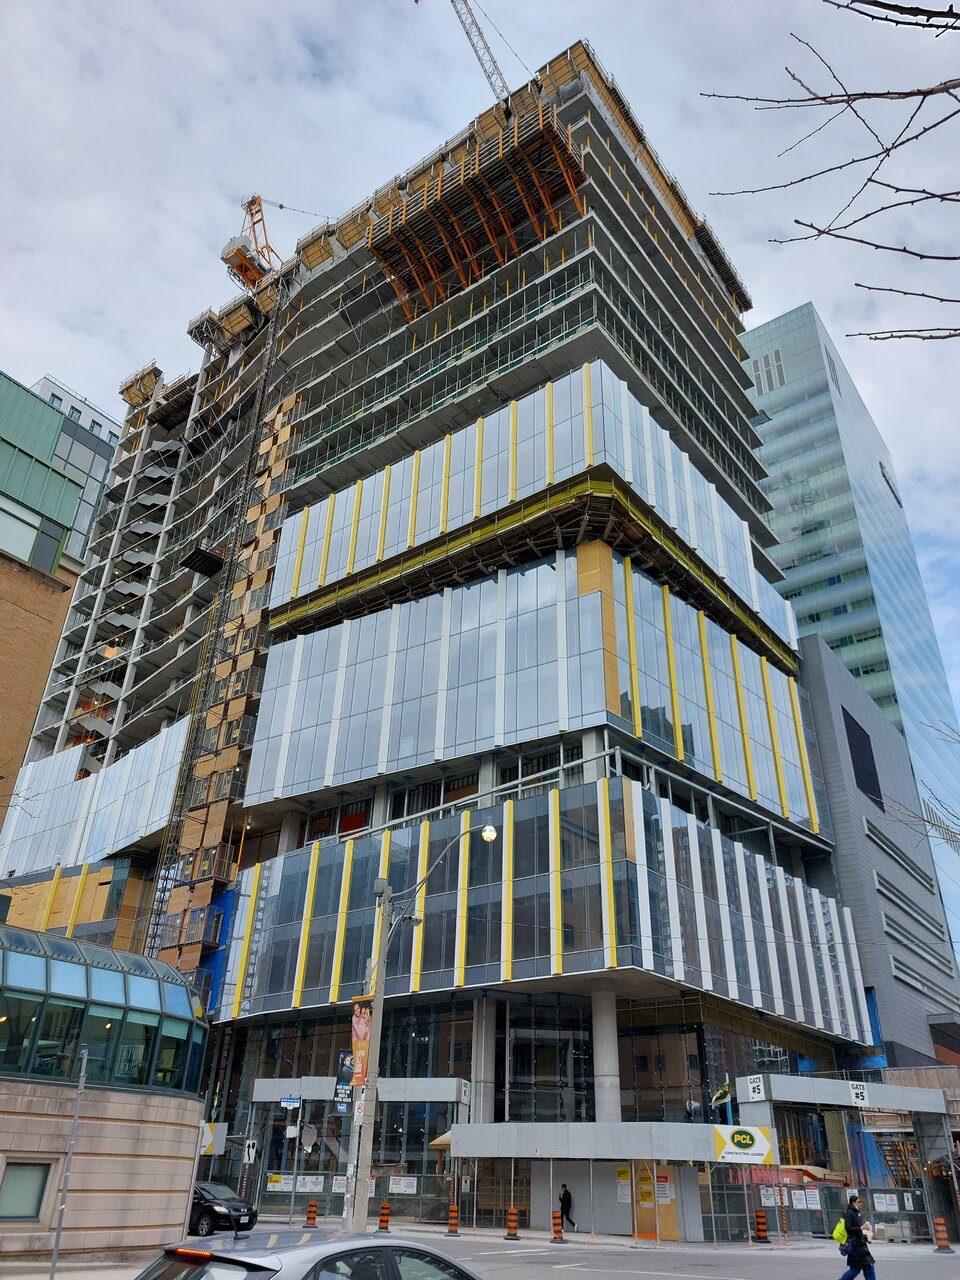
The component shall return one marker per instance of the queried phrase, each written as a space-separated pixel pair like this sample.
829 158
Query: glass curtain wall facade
850 568
599 877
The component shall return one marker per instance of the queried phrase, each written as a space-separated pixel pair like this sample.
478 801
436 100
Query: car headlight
219 1208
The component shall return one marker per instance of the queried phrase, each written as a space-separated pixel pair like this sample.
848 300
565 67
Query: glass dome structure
139 1020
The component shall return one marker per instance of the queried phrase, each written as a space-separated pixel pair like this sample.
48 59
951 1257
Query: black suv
217 1208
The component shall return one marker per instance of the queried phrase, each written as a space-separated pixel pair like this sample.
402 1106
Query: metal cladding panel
26 421
630 1141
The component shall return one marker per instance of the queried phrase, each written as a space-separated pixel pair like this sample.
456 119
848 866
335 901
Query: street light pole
388 923
361 1189
68 1162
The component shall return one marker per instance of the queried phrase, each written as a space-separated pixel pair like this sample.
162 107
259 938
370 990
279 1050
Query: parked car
217 1208
306 1255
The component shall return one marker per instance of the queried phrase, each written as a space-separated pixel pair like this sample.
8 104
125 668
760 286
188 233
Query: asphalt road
531 1258
501 1261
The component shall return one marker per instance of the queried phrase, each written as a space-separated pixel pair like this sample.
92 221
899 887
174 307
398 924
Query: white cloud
132 131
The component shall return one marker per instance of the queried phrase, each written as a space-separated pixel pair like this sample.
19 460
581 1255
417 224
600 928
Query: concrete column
593 770
483 1064
606 1058
381 807
488 778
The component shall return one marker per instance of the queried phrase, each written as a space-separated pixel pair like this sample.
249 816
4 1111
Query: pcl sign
739 1144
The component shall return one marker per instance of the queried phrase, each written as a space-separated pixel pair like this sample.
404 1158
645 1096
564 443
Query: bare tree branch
905 293
815 99
869 244
873 213
806 136
857 209
901 15
922 335
837 168
916 191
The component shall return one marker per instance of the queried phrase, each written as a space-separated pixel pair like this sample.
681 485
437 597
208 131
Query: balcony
217 862
203 926
205 559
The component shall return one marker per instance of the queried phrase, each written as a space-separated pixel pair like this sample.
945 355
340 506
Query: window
363 1264
55 400
768 372
46 549
73 413
833 370
144 992
68 979
113 437
173 1268
861 756
136 1043
21 1190
57 1039
414 1265
101 1031
26 971
95 425
172 1054
18 1018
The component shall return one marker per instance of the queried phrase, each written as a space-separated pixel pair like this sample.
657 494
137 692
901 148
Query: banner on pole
360 1038
343 1093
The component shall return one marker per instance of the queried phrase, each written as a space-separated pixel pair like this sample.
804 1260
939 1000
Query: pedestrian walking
566 1204
861 1260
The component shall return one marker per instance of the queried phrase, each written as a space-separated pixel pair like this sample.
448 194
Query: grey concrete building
883 867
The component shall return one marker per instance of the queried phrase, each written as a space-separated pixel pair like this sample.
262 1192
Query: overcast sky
132 131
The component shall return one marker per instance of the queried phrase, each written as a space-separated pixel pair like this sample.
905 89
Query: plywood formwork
139 387
464 218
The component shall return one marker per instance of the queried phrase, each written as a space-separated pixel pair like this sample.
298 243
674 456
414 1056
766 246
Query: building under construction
459 523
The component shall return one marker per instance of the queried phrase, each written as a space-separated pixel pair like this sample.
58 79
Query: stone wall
132 1169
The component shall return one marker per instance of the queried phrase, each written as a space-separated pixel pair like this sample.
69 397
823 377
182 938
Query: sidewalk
794 1244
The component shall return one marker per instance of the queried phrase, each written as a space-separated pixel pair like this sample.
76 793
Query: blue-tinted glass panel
29 972
176 999
68 979
106 984
144 992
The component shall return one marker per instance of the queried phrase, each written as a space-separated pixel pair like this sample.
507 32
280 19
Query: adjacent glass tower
850 568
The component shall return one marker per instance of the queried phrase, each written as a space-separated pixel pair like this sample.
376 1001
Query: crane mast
478 42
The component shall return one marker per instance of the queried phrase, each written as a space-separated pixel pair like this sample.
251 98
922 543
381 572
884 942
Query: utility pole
68 1162
384 895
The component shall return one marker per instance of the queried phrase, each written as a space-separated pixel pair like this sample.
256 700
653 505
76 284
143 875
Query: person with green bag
850 1235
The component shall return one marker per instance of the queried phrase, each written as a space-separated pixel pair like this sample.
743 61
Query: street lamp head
488 834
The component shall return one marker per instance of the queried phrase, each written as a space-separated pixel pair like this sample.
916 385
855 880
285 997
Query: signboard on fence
403 1186
305 1182
739 1144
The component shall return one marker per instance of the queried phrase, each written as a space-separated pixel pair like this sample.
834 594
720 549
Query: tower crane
250 255
484 54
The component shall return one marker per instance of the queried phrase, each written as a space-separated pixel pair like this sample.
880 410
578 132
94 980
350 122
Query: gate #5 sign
737 1144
